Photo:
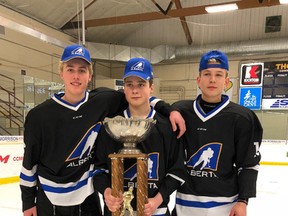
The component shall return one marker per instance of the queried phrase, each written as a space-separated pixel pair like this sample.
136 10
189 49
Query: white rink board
11 155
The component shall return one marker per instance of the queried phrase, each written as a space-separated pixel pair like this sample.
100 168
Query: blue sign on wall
250 98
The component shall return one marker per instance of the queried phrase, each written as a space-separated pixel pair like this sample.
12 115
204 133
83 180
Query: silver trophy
129 131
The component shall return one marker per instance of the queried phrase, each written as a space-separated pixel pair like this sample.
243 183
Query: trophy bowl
129 131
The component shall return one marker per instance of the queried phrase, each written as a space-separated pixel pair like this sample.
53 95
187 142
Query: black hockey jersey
59 146
166 170
222 156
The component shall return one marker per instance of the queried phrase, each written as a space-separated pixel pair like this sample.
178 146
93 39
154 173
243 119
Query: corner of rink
274 152
11 157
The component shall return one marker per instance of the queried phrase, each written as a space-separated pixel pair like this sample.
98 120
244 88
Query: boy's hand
176 119
153 204
113 203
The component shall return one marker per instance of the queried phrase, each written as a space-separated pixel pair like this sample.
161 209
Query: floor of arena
271 196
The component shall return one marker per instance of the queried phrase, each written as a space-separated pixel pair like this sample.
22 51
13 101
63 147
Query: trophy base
130 151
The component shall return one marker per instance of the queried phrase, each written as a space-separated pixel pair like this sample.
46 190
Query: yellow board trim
274 163
8 180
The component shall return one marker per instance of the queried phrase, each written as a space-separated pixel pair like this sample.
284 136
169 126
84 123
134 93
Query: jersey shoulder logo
84 147
207 157
153 164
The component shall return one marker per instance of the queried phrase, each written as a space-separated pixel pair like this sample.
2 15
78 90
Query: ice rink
272 185
271 196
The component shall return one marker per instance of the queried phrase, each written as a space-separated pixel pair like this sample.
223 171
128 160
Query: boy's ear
61 74
152 88
198 80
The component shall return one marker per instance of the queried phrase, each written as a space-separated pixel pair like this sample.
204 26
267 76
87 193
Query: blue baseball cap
140 67
75 51
214 59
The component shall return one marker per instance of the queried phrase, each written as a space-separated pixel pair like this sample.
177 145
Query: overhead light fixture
283 1
221 8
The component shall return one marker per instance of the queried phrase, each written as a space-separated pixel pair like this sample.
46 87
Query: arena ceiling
153 23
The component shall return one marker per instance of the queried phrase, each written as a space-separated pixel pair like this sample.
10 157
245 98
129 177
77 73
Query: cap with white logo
140 67
214 59
75 51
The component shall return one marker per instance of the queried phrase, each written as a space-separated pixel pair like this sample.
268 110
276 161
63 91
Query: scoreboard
268 81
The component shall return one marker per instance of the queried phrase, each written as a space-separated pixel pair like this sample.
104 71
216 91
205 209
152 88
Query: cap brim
136 73
216 66
75 57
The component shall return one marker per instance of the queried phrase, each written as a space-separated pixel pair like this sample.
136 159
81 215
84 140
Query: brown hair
61 66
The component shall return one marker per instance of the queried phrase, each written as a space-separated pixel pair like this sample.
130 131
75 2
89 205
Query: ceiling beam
78 14
244 4
181 12
184 23
161 9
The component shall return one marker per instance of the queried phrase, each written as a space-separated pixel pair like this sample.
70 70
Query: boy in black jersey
222 145
165 164
57 173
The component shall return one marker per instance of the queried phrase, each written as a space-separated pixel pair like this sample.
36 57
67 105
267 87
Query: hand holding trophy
129 131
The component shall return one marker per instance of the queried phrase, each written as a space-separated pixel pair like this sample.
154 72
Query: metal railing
9 107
